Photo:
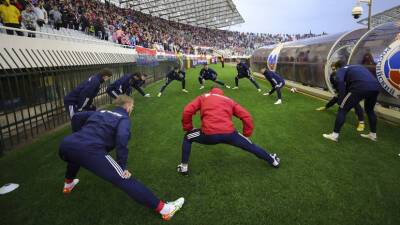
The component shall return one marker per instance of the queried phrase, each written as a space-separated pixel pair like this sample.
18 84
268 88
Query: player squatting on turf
94 135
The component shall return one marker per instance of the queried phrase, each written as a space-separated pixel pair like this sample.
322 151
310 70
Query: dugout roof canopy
201 13
390 15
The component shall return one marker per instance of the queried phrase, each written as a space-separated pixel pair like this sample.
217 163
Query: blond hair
123 99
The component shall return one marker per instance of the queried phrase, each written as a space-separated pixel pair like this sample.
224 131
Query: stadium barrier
36 73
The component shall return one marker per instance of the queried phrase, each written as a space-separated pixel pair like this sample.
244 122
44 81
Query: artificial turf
354 181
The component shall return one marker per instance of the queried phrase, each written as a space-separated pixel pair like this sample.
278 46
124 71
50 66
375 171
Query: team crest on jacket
388 69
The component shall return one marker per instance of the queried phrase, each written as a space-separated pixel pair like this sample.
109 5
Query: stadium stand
130 27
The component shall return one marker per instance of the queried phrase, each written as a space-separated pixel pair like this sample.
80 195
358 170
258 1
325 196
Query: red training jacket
216 112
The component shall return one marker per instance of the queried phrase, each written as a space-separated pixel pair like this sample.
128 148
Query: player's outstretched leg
251 78
168 81
221 83
236 82
107 168
201 81
238 140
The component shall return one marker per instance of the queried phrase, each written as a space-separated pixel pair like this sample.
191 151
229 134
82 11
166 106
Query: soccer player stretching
243 71
355 83
174 74
277 83
357 108
216 112
209 74
97 133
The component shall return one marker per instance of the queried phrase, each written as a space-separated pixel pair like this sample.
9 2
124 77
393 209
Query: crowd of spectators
128 27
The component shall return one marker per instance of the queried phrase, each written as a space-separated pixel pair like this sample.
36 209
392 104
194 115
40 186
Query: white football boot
170 208
68 187
332 136
183 169
371 136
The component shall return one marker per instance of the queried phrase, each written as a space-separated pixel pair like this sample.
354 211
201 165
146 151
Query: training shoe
201 87
266 94
227 86
259 90
370 136
235 88
276 161
331 137
159 94
321 108
278 102
182 169
360 127
147 95
175 207
68 187
184 90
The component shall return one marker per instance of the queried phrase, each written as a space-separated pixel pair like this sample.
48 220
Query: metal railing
44 35
31 96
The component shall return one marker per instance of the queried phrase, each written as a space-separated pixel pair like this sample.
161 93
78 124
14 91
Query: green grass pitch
351 182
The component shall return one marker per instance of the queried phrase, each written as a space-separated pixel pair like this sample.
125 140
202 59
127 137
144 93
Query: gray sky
301 16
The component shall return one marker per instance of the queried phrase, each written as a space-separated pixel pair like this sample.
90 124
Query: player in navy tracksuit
175 74
355 83
125 84
243 71
209 74
95 135
277 83
81 98
358 110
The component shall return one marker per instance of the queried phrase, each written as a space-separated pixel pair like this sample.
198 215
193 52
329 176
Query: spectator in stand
56 17
10 16
29 18
41 14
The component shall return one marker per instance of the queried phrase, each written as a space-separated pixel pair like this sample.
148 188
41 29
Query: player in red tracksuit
216 111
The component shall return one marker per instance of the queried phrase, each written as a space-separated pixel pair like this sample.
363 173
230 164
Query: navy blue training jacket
100 132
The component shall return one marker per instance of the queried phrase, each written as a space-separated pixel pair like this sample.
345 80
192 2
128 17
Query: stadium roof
202 13
390 15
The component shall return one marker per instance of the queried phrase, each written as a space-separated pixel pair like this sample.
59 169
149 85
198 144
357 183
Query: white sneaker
259 90
172 208
68 187
235 88
266 94
184 90
183 169
370 136
159 94
278 102
147 95
201 87
331 137
276 161
227 86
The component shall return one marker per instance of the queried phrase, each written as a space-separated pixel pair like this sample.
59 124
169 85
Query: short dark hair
105 73
338 64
